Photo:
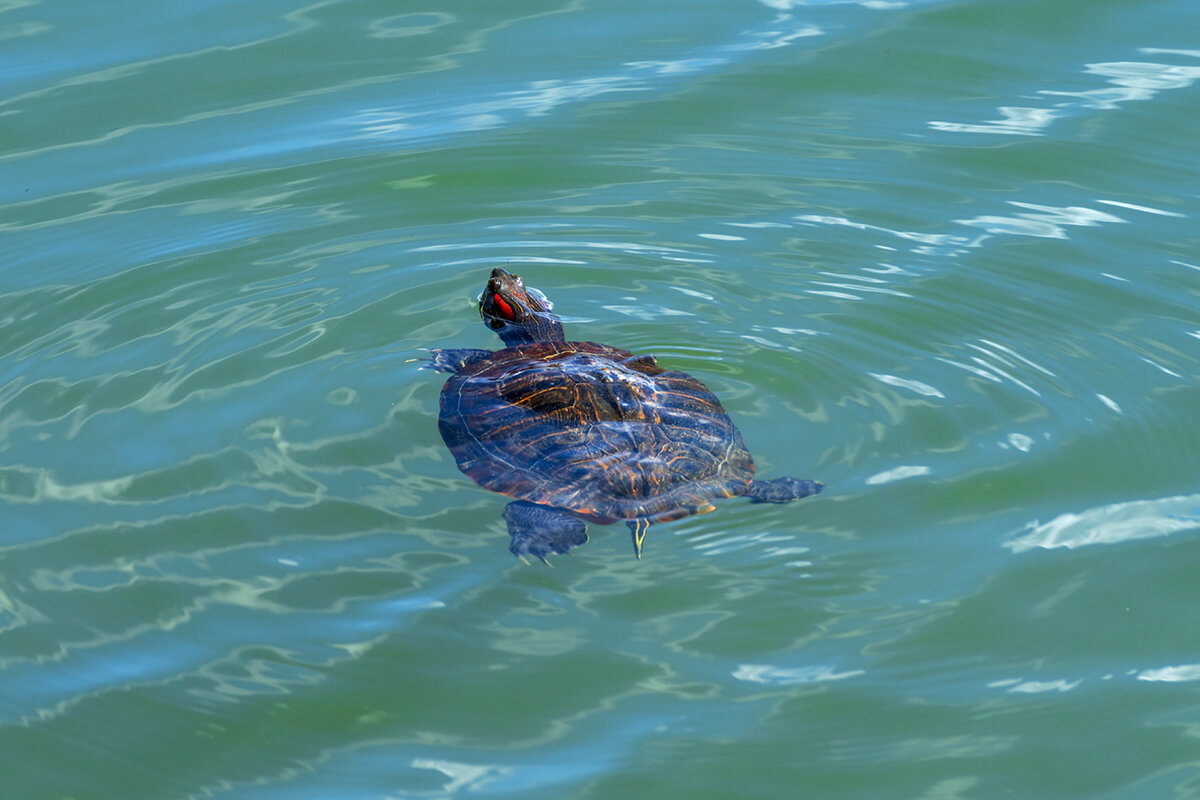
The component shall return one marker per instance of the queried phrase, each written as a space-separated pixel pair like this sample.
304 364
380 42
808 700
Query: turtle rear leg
542 530
782 490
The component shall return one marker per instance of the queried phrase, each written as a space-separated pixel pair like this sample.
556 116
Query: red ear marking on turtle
505 308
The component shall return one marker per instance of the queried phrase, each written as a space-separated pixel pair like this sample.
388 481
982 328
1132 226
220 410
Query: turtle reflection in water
579 431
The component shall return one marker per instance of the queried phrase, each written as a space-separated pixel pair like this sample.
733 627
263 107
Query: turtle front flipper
453 360
782 490
541 530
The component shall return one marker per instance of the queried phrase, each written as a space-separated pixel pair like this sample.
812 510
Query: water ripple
240 562
1112 524
1129 81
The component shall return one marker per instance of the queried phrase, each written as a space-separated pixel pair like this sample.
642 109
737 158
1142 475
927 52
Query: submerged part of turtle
579 431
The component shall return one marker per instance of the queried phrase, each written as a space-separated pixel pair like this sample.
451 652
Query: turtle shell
592 429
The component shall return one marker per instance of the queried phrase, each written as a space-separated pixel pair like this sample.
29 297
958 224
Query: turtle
580 432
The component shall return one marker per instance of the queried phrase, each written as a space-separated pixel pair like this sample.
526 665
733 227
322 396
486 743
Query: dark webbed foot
452 360
782 490
541 530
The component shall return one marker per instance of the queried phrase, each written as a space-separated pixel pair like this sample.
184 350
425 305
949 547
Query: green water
942 256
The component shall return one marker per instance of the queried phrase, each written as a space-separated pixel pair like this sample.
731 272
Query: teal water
942 256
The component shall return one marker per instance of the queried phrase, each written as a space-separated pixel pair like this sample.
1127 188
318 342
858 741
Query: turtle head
514 313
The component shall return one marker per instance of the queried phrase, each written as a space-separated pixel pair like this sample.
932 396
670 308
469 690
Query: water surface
940 255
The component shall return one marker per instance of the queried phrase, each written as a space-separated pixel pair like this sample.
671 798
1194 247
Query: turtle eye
505 309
